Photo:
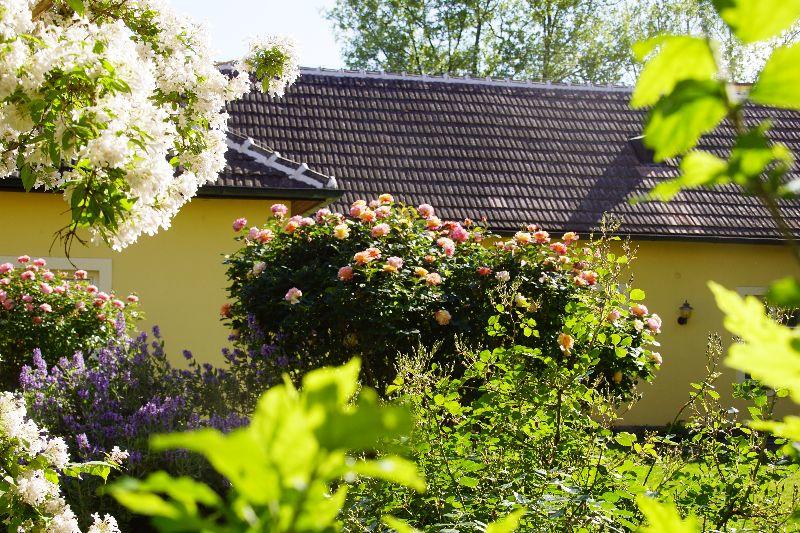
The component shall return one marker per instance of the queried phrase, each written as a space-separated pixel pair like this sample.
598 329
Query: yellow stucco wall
181 281
178 273
671 272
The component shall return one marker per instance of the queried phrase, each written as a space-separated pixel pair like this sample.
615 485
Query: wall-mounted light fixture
684 312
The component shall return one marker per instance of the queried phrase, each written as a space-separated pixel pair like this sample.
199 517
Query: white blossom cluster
128 123
282 47
33 491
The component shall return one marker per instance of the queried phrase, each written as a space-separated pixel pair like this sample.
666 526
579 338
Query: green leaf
332 385
664 518
468 481
27 176
508 524
77 6
778 83
697 169
788 428
768 351
637 294
679 119
625 439
394 469
398 525
100 469
756 20
785 293
679 58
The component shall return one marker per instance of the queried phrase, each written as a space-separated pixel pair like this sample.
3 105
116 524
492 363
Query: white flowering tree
119 105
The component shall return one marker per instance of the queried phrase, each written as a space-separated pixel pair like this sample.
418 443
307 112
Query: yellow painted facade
178 273
181 281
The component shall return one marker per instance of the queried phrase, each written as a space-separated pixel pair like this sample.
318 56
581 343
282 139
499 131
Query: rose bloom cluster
144 126
385 278
58 313
32 461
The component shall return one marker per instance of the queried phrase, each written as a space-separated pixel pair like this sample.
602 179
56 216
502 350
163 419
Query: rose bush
56 312
389 278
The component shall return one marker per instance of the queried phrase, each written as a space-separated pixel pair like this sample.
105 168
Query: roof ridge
273 159
465 80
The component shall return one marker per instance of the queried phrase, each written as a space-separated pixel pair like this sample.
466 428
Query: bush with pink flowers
390 278
59 313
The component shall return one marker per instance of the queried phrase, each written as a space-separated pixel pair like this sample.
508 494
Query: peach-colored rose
433 223
559 247
565 342
617 377
425 210
395 261
367 216
655 358
638 310
383 212
442 317
523 237
279 210
613 315
224 311
291 226
570 237
484 271
458 233
341 231
433 279
654 323
265 236
361 258
380 230
386 198
421 272
541 237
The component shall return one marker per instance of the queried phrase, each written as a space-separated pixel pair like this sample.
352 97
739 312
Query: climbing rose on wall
325 288
120 106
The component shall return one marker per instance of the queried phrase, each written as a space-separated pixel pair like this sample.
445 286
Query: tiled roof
510 151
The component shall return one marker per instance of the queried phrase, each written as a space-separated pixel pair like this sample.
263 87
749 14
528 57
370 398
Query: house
557 155
510 152
178 273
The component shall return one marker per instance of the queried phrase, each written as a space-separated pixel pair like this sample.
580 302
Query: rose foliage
390 278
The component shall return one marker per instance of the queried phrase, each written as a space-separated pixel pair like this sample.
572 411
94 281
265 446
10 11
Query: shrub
57 313
31 463
391 277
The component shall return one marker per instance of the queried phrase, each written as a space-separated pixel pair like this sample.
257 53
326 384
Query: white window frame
103 267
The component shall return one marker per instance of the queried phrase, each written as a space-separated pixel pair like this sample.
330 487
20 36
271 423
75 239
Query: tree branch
40 7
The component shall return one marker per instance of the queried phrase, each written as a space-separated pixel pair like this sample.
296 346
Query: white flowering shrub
31 462
118 103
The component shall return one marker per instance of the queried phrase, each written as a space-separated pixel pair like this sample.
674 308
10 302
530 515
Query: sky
232 22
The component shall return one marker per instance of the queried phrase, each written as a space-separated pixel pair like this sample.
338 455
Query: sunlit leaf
756 20
697 169
768 351
785 293
394 469
664 518
637 294
779 82
507 524
788 428
398 525
678 58
679 119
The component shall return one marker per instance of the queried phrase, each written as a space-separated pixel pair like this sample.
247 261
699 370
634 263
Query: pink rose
253 233
570 237
40 262
91 289
119 304
5 281
293 295
238 224
27 298
103 296
559 247
45 288
425 210
433 279
654 323
655 358
433 223
37 320
356 210
383 212
447 246
345 273
306 221
45 308
368 216
484 271
6 267
48 276
322 214
395 261
28 274
373 204
458 233
541 237
613 315
381 230
23 259
81 274
80 306
8 305
60 289
132 298
638 310
279 210
99 302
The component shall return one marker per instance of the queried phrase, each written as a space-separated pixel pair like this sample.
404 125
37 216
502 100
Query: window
98 270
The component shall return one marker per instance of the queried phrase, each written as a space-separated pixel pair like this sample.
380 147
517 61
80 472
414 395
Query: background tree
553 40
